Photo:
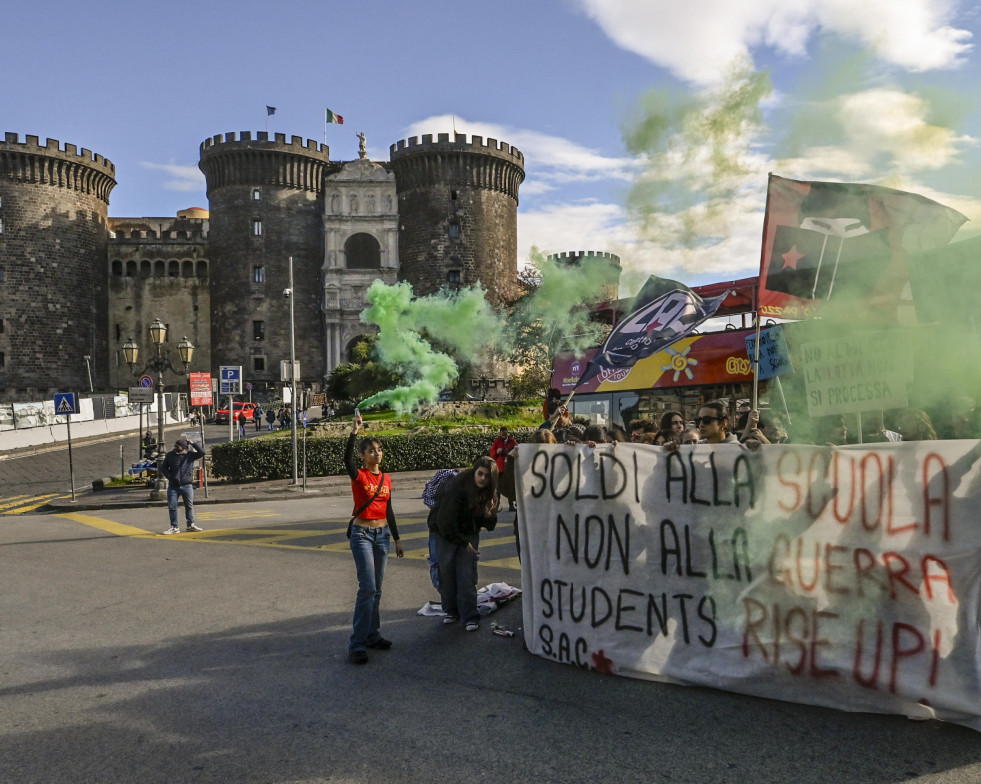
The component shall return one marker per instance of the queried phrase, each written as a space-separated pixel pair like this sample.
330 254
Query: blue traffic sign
230 380
146 382
65 403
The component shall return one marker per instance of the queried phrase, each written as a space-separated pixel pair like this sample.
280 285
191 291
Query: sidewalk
408 483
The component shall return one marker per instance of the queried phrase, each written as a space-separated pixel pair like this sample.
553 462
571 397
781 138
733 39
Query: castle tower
458 213
54 207
577 258
266 205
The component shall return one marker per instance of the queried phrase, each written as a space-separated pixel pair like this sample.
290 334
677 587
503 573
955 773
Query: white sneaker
173 530
450 619
193 527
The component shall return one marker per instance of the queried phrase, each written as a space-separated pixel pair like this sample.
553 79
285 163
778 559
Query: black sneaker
381 644
358 657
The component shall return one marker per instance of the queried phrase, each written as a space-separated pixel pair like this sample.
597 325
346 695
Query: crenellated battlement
244 139
48 164
172 236
52 147
477 144
238 159
577 256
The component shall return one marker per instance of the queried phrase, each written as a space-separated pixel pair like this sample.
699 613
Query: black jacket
455 520
178 467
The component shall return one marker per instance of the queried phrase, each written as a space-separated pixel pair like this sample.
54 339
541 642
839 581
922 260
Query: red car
221 415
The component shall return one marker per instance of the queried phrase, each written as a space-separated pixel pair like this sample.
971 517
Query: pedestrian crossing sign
65 403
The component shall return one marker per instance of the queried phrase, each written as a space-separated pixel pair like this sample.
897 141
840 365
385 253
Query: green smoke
461 320
699 151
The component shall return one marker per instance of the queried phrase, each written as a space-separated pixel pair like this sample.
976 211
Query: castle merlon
477 144
52 148
244 140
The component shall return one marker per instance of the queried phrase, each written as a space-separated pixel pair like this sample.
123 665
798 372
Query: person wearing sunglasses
713 424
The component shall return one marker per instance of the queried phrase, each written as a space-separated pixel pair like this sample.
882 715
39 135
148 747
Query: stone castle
76 284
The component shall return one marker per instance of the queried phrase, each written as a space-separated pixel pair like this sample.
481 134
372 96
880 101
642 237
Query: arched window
187 269
202 269
117 268
362 251
130 269
174 269
146 268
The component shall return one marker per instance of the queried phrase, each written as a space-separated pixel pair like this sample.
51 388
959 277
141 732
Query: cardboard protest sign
845 577
864 371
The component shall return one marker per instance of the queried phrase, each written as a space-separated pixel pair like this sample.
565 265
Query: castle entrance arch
362 251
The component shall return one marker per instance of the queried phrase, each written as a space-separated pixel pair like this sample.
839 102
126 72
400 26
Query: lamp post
158 364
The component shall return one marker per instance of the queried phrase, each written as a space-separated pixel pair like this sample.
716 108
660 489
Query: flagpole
325 126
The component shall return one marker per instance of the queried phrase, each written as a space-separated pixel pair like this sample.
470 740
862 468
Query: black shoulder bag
350 523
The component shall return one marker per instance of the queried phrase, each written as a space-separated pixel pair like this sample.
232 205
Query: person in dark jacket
467 506
178 470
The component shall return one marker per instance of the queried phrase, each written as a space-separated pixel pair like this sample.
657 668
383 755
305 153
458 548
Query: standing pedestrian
270 418
241 424
467 506
371 530
502 447
257 417
178 469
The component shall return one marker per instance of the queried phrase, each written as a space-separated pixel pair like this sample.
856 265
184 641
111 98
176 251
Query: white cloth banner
847 577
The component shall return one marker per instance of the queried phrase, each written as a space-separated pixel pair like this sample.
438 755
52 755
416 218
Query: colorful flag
330 117
270 110
842 242
652 327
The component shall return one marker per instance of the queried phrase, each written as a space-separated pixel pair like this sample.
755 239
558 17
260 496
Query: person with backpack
432 494
468 505
371 530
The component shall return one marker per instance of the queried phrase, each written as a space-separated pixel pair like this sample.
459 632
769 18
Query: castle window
117 268
259 364
454 277
187 269
256 194
2 360
159 269
258 274
362 252
146 269
174 269
454 231
130 269
258 330
256 228
453 195
1 326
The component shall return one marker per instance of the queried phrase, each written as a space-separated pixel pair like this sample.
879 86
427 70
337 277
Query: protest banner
844 577
865 371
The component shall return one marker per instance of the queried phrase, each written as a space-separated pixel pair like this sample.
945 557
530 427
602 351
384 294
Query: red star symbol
602 664
791 257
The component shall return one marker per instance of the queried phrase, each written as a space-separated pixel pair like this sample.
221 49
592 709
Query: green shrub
271 458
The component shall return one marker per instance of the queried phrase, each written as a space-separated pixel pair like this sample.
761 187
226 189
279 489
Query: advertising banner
200 384
846 577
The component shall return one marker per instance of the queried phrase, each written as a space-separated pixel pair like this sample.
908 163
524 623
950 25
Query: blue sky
882 92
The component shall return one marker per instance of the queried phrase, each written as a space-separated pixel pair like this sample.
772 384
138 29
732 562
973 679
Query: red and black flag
843 243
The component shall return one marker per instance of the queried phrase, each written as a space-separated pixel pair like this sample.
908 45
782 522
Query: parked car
221 415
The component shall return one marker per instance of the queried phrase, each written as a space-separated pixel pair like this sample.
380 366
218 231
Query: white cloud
187 177
699 40
550 161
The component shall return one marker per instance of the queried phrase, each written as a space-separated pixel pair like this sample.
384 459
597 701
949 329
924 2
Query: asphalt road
126 656
28 479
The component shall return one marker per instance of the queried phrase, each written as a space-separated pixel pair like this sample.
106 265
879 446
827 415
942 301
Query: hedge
271 458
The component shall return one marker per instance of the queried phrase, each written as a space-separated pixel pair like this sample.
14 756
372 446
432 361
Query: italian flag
333 118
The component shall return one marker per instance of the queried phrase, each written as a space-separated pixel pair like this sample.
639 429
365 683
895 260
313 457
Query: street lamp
158 364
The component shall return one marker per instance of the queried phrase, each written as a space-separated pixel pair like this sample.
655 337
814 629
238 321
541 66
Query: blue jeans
369 546
458 578
186 493
433 559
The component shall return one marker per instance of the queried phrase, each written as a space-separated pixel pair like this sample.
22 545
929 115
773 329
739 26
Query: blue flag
653 327
270 110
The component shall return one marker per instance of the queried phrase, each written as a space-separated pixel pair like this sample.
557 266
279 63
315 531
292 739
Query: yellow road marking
106 525
28 503
273 537
234 514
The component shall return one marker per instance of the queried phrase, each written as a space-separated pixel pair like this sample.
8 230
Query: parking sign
230 380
